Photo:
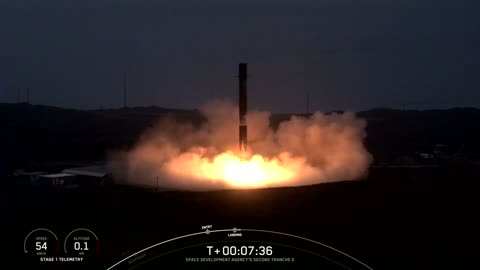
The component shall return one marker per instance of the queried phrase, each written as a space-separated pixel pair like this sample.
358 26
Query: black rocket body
242 107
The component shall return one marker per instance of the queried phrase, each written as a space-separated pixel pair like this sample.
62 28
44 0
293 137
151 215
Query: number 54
40 246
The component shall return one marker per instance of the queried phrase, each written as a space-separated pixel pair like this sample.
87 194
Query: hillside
33 135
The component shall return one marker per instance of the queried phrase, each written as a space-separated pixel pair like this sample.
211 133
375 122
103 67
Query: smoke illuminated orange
300 151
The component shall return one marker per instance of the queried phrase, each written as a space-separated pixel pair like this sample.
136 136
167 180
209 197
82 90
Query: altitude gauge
81 242
41 242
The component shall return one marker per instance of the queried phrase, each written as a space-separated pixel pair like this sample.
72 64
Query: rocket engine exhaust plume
301 151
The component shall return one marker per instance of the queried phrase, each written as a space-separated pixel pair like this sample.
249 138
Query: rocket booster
242 106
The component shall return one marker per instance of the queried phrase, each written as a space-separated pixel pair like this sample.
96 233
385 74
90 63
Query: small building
90 175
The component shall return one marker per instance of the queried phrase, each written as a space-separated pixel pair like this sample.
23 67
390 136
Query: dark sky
348 54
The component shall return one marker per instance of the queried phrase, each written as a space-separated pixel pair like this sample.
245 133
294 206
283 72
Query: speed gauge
42 243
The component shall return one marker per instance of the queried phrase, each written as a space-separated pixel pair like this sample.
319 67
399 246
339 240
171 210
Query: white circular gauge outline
237 229
79 229
28 235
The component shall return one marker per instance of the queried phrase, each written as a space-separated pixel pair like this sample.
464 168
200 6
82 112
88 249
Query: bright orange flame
229 168
254 172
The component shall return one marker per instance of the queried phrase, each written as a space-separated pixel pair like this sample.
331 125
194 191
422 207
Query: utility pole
124 90
307 103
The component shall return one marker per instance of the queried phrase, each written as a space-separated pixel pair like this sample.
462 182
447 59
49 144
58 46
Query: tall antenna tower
124 90
307 103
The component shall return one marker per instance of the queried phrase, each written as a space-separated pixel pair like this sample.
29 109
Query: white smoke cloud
301 151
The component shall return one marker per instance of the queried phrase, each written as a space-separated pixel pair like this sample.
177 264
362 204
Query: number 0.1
78 246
